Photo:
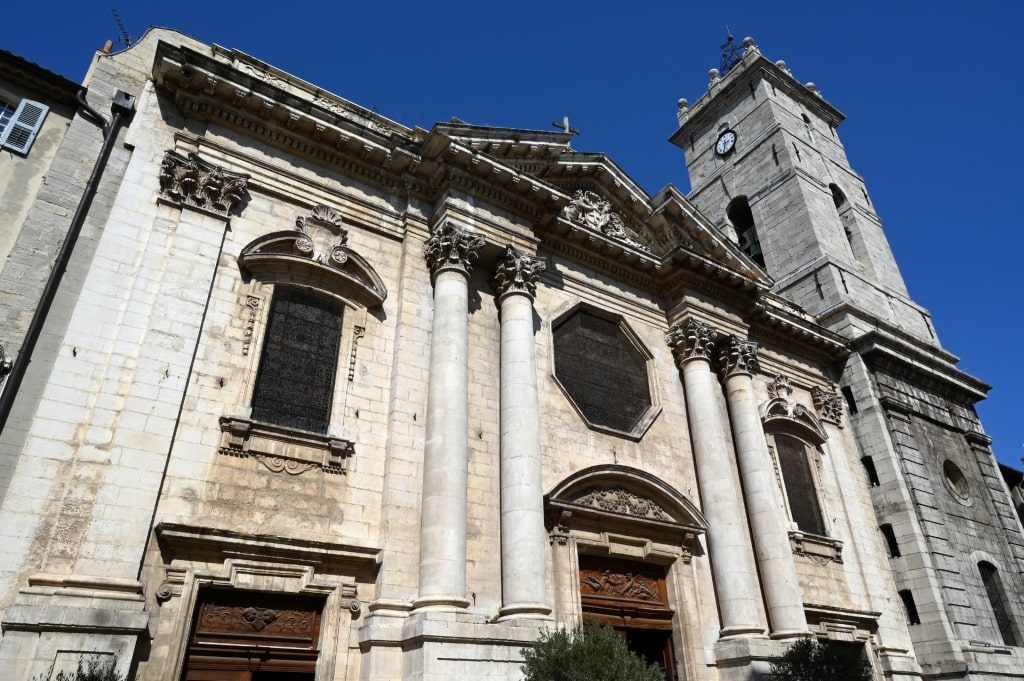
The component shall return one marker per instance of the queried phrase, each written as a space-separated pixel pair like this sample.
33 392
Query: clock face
726 142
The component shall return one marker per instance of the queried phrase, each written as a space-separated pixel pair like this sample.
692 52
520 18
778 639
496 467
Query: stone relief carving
619 500
692 339
357 333
269 621
451 248
191 181
247 439
829 403
783 406
629 585
518 272
252 303
738 356
590 210
322 237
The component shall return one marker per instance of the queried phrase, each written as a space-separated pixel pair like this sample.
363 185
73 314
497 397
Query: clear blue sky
933 92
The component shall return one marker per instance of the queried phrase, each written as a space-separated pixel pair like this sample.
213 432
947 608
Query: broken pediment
317 249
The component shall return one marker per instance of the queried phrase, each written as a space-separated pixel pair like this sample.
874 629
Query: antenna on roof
730 53
125 37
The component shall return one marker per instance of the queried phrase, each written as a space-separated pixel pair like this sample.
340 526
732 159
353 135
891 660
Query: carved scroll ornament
189 181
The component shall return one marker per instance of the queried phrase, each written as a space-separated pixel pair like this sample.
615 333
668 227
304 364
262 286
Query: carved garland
829 403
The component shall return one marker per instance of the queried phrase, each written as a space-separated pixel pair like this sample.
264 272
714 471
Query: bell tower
767 165
768 168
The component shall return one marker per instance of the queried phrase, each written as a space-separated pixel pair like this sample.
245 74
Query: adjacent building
328 397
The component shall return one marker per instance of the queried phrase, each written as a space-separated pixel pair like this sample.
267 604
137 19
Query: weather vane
730 53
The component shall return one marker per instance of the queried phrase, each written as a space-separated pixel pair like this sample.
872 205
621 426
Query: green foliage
95 668
811 660
593 652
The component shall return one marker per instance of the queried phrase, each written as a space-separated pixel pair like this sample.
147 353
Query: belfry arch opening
742 219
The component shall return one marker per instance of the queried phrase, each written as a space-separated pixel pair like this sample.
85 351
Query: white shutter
21 130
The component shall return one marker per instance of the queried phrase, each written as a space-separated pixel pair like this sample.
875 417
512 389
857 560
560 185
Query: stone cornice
752 68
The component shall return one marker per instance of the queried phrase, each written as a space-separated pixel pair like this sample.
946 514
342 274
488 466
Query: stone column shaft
523 537
768 521
446 455
732 561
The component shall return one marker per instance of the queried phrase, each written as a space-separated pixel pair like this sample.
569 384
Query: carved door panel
632 598
252 636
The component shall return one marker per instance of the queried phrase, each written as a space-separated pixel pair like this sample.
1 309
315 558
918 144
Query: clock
726 142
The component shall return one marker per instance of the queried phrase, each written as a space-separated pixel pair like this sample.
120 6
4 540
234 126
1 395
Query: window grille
602 371
295 382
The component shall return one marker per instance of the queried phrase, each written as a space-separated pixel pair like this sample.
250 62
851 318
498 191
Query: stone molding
738 356
191 182
283 450
451 248
518 272
783 414
690 340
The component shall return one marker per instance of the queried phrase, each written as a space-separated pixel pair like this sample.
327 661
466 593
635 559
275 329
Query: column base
741 631
441 602
533 611
784 634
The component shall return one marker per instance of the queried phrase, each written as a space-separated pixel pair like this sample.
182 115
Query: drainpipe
122 108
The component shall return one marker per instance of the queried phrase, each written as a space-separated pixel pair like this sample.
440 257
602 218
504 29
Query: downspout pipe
122 108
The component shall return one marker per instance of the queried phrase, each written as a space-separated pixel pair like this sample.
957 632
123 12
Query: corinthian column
765 509
449 252
732 561
523 538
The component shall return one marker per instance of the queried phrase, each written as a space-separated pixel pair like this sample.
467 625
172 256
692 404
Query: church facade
328 397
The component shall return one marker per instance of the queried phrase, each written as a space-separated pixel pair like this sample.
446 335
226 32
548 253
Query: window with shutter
22 127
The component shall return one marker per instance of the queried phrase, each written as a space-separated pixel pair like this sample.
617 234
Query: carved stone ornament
189 181
738 356
692 339
451 248
619 500
611 584
247 439
829 403
518 272
590 210
252 304
322 237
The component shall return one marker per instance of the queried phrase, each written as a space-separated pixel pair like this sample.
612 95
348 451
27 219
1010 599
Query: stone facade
549 395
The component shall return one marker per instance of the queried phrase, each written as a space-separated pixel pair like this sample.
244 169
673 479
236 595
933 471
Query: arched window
997 598
742 219
295 382
838 197
799 482
890 540
909 607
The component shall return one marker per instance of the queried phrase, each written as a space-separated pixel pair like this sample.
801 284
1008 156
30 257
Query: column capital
517 272
451 248
691 339
738 356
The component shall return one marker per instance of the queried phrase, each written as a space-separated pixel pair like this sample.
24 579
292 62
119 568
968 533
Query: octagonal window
602 368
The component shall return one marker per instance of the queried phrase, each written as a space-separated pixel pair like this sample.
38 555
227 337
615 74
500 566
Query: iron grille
603 372
295 382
